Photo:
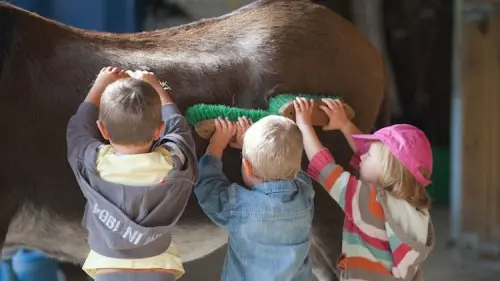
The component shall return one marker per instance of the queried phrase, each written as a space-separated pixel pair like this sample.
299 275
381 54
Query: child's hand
336 113
146 76
303 112
151 78
241 128
303 117
108 75
224 132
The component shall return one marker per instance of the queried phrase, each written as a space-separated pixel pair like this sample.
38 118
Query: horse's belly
196 241
66 240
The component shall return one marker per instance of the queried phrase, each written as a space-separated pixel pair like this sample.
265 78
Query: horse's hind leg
8 207
74 272
327 236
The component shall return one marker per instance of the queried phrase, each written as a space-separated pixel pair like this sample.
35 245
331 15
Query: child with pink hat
388 231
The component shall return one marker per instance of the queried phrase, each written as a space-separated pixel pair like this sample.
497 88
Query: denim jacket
269 225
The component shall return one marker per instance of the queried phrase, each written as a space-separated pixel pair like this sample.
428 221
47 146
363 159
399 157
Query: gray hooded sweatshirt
130 222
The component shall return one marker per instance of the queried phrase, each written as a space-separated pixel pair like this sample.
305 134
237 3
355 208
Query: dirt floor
446 265
442 265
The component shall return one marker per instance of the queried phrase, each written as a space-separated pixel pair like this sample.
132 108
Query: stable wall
480 179
101 15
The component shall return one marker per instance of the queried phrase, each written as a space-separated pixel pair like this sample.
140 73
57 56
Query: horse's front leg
328 219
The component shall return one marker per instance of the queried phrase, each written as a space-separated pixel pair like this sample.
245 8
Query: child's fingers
326 109
122 73
302 104
247 122
238 126
106 69
225 125
310 105
218 126
230 126
241 123
330 103
338 105
296 106
341 107
234 131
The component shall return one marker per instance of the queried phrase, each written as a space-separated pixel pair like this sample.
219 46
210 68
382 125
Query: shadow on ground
442 264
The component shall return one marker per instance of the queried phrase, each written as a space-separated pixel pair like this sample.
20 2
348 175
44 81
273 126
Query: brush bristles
201 112
276 102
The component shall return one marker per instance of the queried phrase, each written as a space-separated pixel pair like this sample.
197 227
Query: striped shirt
374 246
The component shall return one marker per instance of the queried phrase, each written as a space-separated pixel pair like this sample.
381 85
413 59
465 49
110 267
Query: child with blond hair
269 218
387 231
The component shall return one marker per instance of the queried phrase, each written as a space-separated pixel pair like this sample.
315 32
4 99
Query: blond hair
274 148
130 111
399 182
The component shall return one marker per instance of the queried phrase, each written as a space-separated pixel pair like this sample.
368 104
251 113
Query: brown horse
239 59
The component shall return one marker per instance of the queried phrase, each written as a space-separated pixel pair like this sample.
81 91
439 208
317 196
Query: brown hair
400 183
130 111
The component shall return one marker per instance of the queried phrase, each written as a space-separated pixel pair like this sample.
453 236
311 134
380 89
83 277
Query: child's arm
176 135
338 120
340 184
348 130
82 127
213 188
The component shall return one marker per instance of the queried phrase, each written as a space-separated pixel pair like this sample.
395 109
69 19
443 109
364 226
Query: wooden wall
481 131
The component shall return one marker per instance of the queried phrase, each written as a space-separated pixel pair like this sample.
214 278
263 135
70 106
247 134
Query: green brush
202 116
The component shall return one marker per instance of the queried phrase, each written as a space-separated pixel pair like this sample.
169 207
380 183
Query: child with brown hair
388 231
132 153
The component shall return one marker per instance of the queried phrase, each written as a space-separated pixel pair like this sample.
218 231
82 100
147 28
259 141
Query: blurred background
444 62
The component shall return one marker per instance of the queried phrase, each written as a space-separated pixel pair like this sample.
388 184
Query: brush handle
206 128
319 117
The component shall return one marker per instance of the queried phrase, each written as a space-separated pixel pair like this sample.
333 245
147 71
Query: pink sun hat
406 142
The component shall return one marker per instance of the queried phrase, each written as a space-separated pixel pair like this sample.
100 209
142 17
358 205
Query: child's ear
103 130
248 168
159 130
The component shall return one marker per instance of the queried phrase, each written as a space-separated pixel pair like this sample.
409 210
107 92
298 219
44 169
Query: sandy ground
442 264
445 265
